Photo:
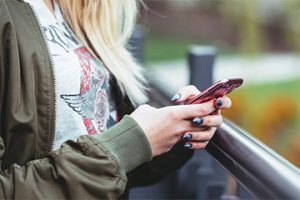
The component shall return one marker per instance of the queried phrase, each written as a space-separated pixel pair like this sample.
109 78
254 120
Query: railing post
137 43
201 61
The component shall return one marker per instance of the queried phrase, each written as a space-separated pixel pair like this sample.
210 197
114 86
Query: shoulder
13 13
7 8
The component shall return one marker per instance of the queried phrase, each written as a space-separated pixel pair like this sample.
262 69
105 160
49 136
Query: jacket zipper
52 65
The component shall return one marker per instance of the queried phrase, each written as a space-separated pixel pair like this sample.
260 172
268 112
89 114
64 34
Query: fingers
185 93
209 120
200 136
196 145
199 110
216 112
198 140
191 91
192 111
206 117
199 124
223 103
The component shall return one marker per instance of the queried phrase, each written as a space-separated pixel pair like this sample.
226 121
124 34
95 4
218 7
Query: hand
207 124
166 126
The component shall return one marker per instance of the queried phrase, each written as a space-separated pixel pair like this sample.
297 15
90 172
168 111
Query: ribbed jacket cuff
127 142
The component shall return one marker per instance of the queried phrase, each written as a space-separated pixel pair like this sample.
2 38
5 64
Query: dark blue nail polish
188 146
176 97
197 121
219 103
188 137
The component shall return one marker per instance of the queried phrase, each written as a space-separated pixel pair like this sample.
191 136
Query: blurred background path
263 69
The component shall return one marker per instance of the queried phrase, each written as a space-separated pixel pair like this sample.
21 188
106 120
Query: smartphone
217 90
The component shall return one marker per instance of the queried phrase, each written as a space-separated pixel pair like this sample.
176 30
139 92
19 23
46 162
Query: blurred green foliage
257 28
293 23
160 48
163 48
250 20
245 14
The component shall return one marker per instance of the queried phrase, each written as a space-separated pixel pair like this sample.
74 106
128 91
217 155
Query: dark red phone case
217 90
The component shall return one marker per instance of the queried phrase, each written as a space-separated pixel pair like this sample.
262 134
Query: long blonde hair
104 27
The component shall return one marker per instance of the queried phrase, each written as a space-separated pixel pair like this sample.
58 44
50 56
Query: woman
65 80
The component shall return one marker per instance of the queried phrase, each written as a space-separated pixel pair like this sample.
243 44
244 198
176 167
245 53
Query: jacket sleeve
91 168
160 166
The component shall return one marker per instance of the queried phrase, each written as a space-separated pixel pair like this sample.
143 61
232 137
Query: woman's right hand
164 127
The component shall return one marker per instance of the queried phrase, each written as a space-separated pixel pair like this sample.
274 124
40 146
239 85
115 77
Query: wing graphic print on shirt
84 104
55 35
92 101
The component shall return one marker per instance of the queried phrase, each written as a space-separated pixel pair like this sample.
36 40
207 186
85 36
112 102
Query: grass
166 48
161 48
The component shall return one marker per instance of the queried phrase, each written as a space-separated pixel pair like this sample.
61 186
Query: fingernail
188 146
188 137
176 97
197 121
219 103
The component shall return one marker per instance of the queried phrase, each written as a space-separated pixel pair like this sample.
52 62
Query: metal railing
258 168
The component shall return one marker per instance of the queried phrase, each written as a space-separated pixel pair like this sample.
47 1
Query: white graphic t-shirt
83 103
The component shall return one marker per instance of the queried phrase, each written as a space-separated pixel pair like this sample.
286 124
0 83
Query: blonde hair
104 27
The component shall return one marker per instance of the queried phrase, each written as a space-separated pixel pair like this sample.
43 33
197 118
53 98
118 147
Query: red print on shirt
92 101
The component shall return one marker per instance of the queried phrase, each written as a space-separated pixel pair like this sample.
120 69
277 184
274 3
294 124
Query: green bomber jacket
93 167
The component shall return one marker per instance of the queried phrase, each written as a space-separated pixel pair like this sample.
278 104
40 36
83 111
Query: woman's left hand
206 126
